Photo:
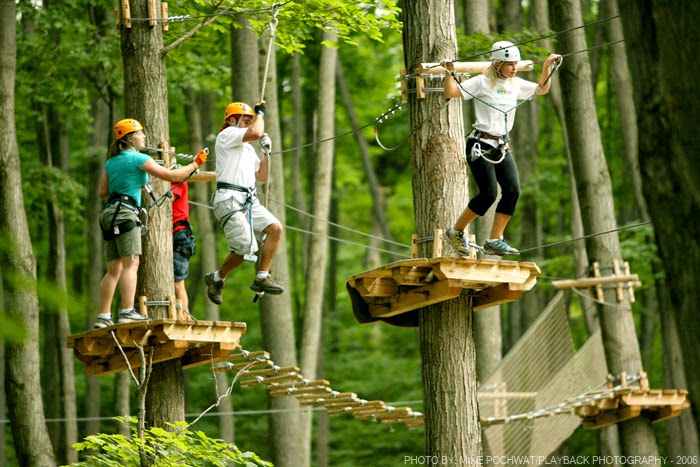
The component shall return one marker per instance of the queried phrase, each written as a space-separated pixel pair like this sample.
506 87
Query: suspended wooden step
394 293
107 350
627 403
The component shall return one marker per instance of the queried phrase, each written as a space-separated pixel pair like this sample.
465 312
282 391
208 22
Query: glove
201 157
266 143
260 108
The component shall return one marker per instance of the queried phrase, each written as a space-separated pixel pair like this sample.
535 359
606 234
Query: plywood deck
195 342
403 286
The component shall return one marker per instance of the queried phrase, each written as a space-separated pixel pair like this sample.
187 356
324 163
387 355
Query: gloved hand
260 108
201 157
266 143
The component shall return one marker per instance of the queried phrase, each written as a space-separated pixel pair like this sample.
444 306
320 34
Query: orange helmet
238 108
126 126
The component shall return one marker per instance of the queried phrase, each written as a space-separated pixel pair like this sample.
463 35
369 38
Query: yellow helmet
126 126
238 108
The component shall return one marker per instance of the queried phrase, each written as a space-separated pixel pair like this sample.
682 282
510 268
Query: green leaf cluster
163 448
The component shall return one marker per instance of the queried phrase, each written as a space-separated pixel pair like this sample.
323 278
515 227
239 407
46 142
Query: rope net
542 370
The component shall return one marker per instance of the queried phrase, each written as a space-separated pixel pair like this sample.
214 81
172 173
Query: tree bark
276 316
598 214
25 409
146 100
656 34
447 346
318 241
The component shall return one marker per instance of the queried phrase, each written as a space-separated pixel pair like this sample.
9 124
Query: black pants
489 177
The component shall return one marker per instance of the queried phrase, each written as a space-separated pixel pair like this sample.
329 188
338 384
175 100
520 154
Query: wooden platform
195 342
624 404
390 292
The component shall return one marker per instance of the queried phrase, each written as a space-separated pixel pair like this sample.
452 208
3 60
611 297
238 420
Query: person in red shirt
184 246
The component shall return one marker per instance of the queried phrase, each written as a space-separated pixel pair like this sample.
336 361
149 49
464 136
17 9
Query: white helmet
505 51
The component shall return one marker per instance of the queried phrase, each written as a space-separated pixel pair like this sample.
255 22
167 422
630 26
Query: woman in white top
496 93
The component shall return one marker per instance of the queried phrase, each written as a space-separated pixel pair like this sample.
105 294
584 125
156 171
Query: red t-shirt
181 205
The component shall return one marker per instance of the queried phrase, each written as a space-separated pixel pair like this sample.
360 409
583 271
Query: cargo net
541 376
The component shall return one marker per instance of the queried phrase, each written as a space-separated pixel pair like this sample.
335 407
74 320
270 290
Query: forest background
69 64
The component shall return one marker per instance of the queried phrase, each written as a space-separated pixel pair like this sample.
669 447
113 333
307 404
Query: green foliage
164 448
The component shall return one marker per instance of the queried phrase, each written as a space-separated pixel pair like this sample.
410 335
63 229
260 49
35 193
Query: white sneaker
132 316
459 242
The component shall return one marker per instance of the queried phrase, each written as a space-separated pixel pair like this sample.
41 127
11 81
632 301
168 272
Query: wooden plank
376 286
411 275
415 298
207 354
497 295
604 419
115 363
654 398
485 271
202 176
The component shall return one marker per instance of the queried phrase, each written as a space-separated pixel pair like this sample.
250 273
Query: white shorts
237 227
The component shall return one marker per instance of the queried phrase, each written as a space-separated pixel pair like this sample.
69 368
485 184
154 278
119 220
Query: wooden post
437 243
164 15
420 83
414 245
126 13
152 15
143 309
172 309
404 86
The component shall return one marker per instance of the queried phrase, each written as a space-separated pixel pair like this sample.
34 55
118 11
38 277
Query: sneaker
500 248
102 323
266 285
459 242
214 288
132 316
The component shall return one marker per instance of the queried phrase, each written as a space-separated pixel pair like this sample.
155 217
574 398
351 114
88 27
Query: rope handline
273 27
583 237
547 36
374 237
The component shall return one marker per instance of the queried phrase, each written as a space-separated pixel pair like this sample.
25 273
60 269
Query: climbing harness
120 200
477 151
247 205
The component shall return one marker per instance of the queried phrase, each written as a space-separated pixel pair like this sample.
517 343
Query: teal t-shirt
125 174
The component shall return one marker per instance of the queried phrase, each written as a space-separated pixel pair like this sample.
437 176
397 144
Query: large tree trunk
206 250
657 33
276 316
318 241
146 99
447 346
598 213
25 409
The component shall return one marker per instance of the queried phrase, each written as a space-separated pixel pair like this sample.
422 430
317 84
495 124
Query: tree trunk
146 99
276 318
657 34
206 250
25 409
598 214
375 189
318 241
447 346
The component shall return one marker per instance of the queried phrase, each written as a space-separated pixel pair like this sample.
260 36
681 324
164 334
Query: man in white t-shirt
246 222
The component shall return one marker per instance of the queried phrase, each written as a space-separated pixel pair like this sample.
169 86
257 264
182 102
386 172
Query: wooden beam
594 281
376 286
497 295
203 177
415 298
468 67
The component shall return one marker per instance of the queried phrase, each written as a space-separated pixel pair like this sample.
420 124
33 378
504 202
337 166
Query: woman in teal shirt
125 174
